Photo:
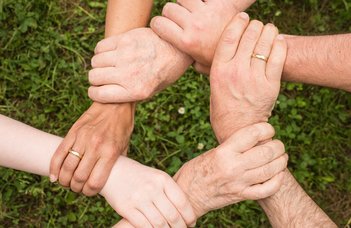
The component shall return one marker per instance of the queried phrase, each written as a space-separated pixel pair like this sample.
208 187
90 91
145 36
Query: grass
45 49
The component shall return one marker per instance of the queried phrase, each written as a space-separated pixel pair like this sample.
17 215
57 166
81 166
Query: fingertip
154 23
53 178
244 15
93 93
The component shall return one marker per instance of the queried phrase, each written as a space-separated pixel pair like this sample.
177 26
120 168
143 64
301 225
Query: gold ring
75 153
260 57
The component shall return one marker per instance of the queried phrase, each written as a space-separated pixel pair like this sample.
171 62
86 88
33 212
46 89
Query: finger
153 215
104 59
137 219
191 5
108 44
248 41
83 171
176 13
230 38
263 154
169 212
202 68
60 155
268 188
69 166
71 162
179 199
248 137
266 172
98 176
264 47
104 76
123 224
110 94
168 31
277 59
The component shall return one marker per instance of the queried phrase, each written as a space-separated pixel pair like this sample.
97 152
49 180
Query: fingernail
53 178
244 15
280 37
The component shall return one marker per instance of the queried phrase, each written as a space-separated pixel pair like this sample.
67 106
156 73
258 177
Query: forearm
292 207
123 15
25 148
319 60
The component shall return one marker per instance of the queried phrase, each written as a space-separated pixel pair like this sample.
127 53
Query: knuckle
229 37
97 139
267 153
266 172
254 131
160 222
262 45
95 185
80 177
163 177
199 25
188 41
69 164
174 217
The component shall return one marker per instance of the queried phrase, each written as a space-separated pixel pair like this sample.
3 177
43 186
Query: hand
235 171
146 197
244 89
195 26
134 66
100 135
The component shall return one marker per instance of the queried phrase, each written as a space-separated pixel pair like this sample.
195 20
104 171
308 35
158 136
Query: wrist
225 127
184 183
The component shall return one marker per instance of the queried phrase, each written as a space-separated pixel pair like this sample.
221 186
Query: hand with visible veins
195 26
134 66
235 171
244 89
100 136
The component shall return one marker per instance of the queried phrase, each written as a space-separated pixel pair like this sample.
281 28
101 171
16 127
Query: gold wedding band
260 57
75 153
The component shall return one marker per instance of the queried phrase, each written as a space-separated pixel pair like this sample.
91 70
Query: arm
123 15
290 206
141 190
319 60
102 133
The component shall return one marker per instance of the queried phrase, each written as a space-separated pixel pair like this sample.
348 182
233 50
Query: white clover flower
181 110
200 146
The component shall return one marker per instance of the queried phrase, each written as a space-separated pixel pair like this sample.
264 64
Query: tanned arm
319 60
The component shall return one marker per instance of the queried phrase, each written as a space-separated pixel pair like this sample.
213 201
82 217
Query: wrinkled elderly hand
235 171
195 26
100 135
146 197
134 66
244 89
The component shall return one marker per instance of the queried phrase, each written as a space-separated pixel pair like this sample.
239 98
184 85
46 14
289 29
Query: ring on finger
75 153
260 57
